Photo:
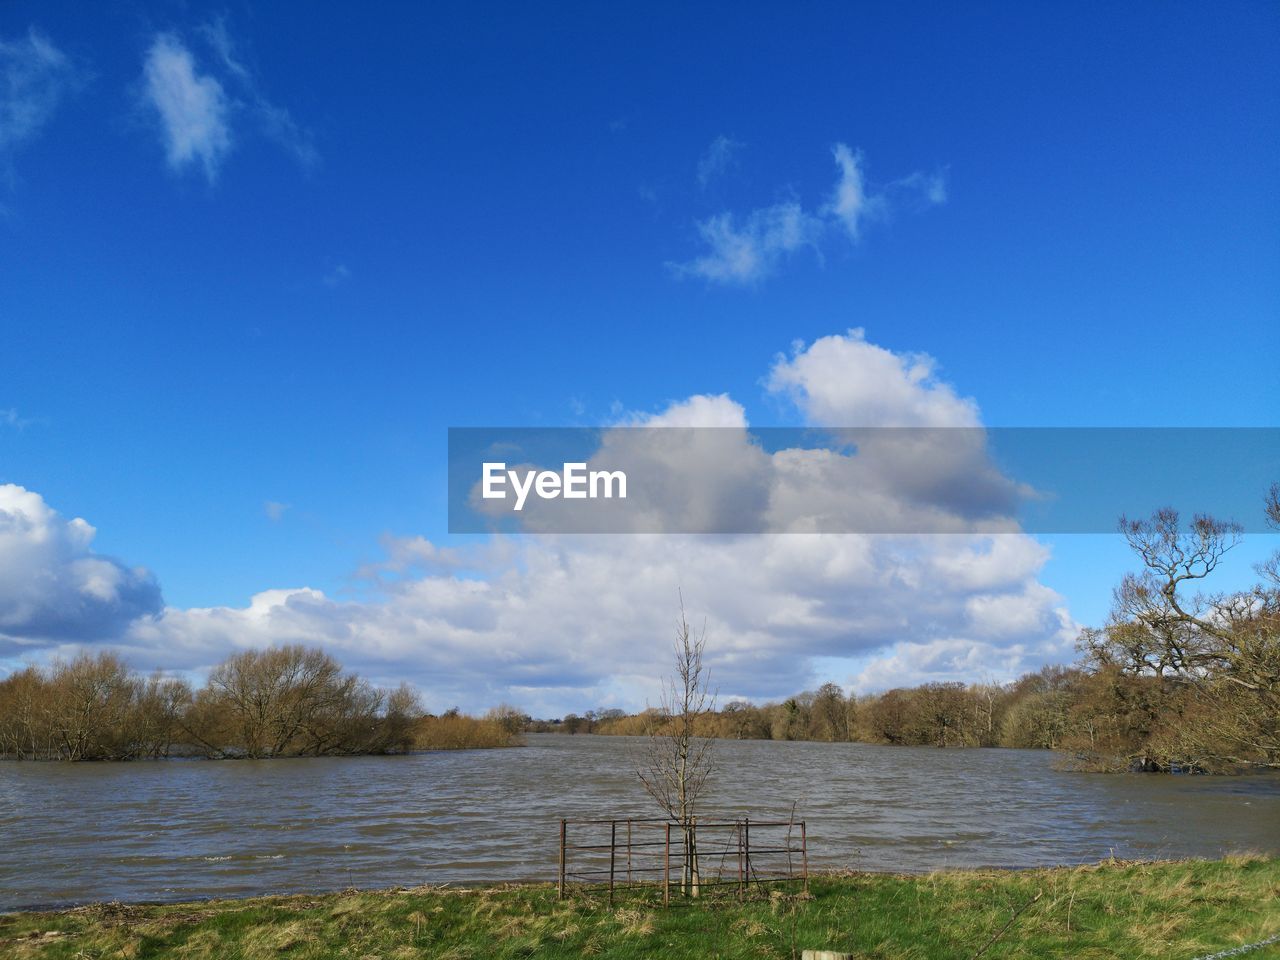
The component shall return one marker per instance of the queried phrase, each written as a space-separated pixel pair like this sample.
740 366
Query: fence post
746 837
695 879
666 867
804 854
613 841
628 850
560 880
739 832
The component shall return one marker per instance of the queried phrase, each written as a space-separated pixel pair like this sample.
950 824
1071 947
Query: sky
256 259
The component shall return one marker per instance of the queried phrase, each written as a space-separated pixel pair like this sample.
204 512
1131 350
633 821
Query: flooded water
173 830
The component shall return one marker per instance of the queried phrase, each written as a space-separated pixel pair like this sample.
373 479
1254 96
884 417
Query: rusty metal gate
639 855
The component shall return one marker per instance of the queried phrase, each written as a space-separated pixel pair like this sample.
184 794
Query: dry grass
1172 909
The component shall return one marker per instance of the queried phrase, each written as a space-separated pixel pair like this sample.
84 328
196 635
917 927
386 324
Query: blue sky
373 227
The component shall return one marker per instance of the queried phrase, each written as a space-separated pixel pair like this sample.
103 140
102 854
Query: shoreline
1111 908
450 887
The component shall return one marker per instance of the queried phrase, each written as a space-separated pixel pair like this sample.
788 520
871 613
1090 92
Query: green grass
1167 909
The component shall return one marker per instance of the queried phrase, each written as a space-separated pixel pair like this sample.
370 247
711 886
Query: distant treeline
288 701
1176 680
1056 708
1101 716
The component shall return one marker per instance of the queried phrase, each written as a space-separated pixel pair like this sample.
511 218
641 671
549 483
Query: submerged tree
90 708
677 760
295 700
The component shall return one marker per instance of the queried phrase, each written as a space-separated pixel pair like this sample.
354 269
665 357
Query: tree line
1175 680
286 701
1100 717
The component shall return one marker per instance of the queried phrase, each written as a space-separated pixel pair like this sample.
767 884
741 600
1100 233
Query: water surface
171 830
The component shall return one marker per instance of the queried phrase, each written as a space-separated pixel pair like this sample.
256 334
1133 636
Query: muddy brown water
174 830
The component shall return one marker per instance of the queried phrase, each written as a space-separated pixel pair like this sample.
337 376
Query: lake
178 829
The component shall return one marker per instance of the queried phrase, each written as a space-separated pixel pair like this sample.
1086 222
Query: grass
1180 909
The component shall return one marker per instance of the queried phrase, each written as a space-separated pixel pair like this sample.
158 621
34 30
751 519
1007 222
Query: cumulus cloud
843 380
53 587
570 622
888 448
34 77
192 107
744 249
558 622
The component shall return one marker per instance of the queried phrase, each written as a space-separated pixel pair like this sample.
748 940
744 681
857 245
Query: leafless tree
296 700
677 760
1269 569
1225 646
284 701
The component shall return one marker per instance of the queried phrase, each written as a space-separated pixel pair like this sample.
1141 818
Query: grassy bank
1171 909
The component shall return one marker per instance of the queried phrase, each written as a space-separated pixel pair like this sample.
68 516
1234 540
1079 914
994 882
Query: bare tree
1225 647
1270 569
285 701
677 760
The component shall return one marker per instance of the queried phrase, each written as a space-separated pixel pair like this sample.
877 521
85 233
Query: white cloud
198 104
936 475
744 250
566 622
930 188
717 159
192 107
53 587
34 77
843 380
850 203
557 622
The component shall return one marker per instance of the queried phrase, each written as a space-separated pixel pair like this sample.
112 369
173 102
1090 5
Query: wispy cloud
341 273
275 510
34 77
930 188
850 204
275 122
9 417
192 107
744 249
718 159
198 104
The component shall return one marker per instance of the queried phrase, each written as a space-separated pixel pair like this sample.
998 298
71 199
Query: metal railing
629 855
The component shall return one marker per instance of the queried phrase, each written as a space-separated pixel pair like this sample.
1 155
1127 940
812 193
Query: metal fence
651 855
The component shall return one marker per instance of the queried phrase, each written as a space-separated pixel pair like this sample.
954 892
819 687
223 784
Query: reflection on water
189 829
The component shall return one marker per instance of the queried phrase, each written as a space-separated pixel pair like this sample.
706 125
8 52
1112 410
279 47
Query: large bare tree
1225 647
677 761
